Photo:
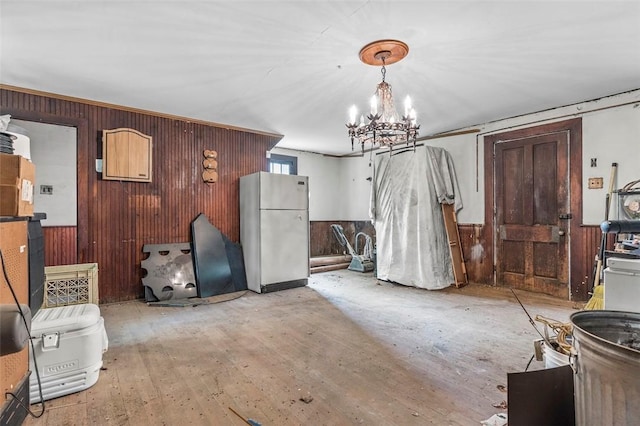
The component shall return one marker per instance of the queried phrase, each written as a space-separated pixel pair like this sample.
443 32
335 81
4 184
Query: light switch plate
595 183
99 165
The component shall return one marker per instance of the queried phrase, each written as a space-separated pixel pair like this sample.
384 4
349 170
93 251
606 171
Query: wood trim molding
135 110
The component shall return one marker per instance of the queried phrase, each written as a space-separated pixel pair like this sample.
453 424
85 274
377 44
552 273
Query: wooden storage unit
14 367
126 155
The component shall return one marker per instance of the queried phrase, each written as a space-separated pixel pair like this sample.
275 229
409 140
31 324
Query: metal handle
561 232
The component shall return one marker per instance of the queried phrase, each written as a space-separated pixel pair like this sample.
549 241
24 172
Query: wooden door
531 193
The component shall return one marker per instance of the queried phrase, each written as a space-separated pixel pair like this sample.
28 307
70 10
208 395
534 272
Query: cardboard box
17 176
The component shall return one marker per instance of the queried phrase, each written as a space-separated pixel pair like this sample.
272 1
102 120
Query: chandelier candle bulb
407 106
353 111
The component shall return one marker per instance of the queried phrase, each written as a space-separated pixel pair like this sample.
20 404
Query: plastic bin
71 285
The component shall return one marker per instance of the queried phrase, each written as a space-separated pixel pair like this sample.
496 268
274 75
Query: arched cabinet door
126 155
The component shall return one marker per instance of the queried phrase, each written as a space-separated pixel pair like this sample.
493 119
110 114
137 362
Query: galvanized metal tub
607 367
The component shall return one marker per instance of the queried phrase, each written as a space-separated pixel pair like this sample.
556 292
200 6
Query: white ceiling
292 67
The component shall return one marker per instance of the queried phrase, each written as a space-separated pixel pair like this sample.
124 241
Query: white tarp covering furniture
407 189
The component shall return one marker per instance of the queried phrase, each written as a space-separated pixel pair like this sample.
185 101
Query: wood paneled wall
588 252
115 219
324 243
60 245
477 258
477 254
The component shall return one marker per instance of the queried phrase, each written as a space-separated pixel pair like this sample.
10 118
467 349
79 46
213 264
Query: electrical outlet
595 183
46 189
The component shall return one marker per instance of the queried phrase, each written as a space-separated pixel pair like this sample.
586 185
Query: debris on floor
502 405
306 399
246 420
499 419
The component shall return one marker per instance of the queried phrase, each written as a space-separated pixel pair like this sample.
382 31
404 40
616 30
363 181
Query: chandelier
384 126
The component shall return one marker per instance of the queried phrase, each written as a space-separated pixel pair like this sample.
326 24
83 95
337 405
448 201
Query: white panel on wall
356 187
324 182
609 136
470 174
53 151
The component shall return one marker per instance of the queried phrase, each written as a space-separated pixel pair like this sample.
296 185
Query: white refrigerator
274 230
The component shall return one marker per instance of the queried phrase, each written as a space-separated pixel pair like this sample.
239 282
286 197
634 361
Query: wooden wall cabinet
126 155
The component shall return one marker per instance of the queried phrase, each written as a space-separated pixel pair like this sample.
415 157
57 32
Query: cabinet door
284 245
126 155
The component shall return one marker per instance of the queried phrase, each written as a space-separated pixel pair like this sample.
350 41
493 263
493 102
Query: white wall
466 163
339 189
356 189
324 182
53 151
610 133
610 136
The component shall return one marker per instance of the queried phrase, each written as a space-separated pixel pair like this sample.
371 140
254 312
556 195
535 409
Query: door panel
283 192
531 192
285 245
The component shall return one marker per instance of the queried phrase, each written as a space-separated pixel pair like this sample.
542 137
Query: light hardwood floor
358 350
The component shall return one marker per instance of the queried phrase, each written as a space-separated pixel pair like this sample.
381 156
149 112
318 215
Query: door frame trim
83 167
578 289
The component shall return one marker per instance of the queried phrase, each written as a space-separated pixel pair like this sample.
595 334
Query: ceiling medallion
384 126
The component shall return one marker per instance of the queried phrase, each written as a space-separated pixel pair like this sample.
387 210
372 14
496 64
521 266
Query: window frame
281 159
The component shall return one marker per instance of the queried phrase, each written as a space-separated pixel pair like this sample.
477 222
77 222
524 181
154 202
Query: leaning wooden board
455 248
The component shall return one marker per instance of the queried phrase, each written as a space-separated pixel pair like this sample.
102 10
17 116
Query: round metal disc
391 50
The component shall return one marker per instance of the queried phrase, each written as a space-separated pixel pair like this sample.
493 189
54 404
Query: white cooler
69 342
622 285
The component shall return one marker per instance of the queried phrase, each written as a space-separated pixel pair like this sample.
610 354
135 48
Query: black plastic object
169 272
620 226
14 411
13 333
236 262
36 262
542 397
210 261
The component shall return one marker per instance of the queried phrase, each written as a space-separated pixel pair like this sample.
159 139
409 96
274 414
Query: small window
283 164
